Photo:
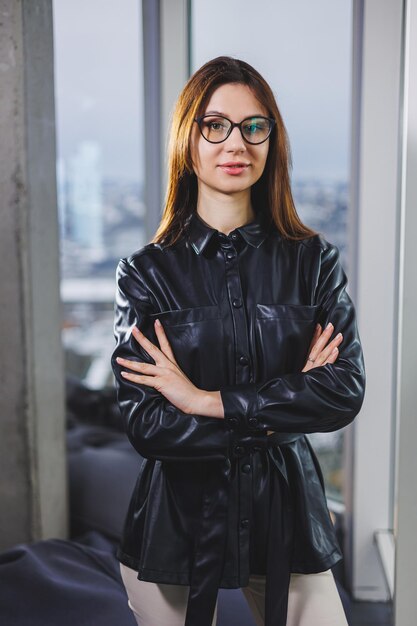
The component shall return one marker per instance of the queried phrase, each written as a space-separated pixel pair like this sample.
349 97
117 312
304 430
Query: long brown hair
271 194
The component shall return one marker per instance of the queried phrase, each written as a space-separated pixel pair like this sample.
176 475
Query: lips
234 164
234 168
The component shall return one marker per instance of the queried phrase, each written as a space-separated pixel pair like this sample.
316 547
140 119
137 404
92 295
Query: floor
371 614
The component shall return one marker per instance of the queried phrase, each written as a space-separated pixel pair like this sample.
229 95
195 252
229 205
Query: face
235 101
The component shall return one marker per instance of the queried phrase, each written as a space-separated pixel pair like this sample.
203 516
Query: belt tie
211 542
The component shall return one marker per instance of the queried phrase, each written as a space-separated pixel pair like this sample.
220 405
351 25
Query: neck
224 212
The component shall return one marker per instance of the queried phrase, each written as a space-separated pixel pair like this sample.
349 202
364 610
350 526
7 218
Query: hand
319 352
165 376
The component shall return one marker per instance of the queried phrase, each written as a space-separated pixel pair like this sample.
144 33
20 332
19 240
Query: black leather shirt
216 500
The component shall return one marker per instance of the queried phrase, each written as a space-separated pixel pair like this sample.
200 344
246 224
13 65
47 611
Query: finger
150 347
321 357
316 335
142 380
163 341
325 353
308 366
138 366
333 356
321 342
318 362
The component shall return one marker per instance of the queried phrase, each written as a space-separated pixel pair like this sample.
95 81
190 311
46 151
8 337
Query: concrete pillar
406 457
175 66
166 69
151 20
33 479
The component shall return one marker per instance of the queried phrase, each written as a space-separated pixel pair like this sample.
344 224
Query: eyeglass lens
216 128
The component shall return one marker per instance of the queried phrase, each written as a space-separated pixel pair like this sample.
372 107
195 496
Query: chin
228 186
234 182
235 190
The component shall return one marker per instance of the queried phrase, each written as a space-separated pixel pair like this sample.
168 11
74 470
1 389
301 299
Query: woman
224 359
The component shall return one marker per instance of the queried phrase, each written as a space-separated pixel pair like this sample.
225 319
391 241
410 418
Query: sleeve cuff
240 404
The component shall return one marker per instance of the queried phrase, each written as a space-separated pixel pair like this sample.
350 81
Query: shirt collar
200 233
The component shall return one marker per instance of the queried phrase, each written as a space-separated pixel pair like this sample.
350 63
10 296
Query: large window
303 49
99 112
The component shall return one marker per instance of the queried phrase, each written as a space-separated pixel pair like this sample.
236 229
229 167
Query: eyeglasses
217 128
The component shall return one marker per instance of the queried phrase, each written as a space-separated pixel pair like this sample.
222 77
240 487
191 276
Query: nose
235 140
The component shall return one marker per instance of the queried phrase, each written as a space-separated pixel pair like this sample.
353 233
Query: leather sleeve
154 426
325 398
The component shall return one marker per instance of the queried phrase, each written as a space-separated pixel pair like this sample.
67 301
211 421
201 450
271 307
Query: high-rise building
85 195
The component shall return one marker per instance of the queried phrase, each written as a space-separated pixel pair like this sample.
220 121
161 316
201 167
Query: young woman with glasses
235 337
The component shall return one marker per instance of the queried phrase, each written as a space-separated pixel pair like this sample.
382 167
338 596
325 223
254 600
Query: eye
216 124
256 126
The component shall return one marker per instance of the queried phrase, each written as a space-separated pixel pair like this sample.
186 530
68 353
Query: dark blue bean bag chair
63 583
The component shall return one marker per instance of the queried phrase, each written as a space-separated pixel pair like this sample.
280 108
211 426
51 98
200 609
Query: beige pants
313 600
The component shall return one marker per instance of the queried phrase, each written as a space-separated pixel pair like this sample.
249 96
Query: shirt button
246 468
253 421
230 255
237 302
234 235
243 360
244 523
239 450
232 421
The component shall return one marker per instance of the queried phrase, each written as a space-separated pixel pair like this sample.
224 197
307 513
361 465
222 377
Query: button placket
242 375
245 498
234 290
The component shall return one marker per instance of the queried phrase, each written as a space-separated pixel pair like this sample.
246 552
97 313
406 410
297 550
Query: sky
301 47
98 79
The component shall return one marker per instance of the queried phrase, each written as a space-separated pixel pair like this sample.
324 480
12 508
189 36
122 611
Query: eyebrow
224 114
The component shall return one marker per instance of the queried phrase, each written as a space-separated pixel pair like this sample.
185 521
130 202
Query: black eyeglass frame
239 125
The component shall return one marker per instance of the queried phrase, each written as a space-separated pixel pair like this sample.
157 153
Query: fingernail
339 335
157 322
329 325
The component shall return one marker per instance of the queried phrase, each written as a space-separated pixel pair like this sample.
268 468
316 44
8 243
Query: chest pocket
283 334
196 338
